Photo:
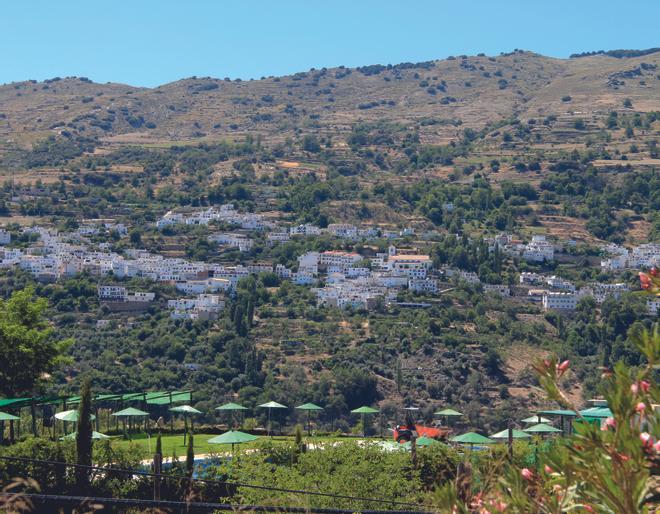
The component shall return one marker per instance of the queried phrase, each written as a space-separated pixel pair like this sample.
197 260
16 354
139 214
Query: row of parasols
539 425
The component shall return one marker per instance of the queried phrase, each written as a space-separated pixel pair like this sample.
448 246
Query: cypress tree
190 456
159 446
84 436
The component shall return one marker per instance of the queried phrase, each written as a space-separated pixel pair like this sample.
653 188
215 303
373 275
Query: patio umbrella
515 434
71 415
95 435
130 412
448 413
309 407
536 419
233 437
425 441
363 411
270 406
232 407
186 410
5 416
471 438
542 428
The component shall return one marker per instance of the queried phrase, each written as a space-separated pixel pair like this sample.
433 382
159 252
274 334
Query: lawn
174 443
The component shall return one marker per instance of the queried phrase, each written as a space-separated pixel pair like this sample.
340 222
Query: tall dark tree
190 456
84 436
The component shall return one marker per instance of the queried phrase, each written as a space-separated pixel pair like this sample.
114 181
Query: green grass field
174 443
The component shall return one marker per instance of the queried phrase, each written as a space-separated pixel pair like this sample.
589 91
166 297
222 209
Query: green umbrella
542 428
233 437
231 407
309 407
186 410
471 438
536 419
4 416
71 415
364 410
515 434
425 441
270 406
448 413
95 435
130 412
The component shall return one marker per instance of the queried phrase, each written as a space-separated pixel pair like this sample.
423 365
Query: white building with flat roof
565 302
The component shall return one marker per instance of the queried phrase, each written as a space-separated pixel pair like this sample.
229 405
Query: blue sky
151 42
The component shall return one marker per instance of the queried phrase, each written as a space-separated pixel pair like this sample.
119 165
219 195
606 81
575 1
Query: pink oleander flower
645 437
548 469
527 474
589 508
645 385
634 388
562 367
640 407
609 423
656 446
645 280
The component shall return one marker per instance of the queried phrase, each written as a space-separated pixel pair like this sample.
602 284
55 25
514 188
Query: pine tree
84 436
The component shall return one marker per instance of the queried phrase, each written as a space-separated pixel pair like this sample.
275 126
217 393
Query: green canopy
425 441
542 428
231 406
365 410
233 437
536 419
448 412
270 406
185 409
596 412
95 435
71 415
516 434
164 398
4 416
471 438
130 411
309 406
273 405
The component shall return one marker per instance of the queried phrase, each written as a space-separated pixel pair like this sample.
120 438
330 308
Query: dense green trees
29 347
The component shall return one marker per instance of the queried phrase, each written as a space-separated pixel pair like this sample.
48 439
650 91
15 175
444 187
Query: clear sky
151 42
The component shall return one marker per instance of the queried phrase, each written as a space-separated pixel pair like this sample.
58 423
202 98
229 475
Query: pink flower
609 423
589 508
656 446
634 388
548 469
644 280
646 439
645 386
527 474
561 368
640 407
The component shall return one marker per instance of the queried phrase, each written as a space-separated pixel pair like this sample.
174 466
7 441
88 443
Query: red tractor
403 433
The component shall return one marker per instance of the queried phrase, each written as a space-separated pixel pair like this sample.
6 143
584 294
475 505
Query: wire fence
221 488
